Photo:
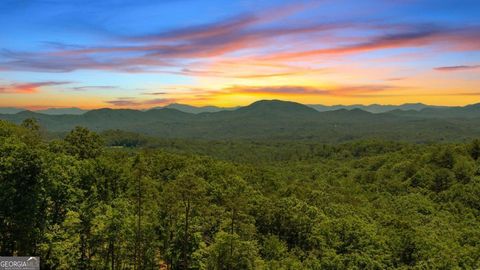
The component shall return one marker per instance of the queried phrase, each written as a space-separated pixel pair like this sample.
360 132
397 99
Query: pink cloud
27 88
245 37
358 91
450 39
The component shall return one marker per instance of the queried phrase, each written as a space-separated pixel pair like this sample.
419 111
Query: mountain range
275 119
373 108
50 111
193 109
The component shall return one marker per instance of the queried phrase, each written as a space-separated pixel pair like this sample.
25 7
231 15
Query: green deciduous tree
219 256
83 143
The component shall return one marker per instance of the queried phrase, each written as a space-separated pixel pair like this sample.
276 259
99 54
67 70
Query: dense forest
116 200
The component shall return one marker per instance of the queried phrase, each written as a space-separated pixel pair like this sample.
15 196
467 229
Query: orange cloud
27 88
340 91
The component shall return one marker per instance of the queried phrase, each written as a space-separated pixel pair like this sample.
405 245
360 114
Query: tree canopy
79 204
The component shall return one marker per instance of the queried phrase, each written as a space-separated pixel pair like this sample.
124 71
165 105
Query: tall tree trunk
185 241
232 230
83 255
138 244
112 253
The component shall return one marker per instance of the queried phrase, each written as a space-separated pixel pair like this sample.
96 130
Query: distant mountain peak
414 103
358 110
10 110
276 102
277 107
375 108
26 113
179 105
59 111
472 107
196 110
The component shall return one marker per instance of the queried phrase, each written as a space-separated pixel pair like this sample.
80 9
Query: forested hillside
185 204
275 119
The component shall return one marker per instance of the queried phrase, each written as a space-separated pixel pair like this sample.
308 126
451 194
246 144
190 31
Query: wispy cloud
457 68
243 37
396 79
27 88
93 87
243 74
58 62
467 94
412 36
133 102
154 93
345 91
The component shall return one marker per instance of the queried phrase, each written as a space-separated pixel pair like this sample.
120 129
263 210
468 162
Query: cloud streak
27 88
242 37
457 68
93 87
339 91
154 93
453 39
133 102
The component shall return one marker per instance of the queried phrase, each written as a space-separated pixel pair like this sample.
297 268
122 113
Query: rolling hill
193 109
275 119
375 108
10 110
60 111
50 111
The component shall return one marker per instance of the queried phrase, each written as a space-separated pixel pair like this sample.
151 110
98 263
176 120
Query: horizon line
35 108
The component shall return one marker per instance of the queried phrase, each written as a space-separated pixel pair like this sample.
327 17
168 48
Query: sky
142 54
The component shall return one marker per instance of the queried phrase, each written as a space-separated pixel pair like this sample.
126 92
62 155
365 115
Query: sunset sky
142 54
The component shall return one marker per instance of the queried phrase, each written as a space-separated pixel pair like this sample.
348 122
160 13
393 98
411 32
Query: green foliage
31 124
229 252
22 196
83 143
119 138
474 149
182 204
